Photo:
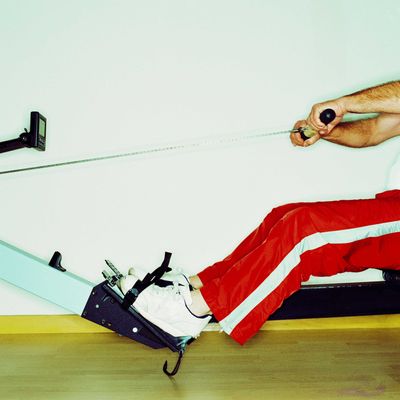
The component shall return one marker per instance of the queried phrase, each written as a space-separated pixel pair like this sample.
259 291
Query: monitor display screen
42 128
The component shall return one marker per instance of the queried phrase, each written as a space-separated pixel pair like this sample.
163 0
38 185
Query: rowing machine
105 305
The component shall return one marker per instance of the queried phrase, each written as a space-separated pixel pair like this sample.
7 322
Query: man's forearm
366 132
353 134
381 98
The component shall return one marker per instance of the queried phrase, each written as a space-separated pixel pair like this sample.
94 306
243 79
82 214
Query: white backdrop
117 75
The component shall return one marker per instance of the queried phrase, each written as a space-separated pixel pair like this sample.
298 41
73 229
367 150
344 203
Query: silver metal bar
36 276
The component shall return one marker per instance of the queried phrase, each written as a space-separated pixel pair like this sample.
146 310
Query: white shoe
174 276
167 307
169 278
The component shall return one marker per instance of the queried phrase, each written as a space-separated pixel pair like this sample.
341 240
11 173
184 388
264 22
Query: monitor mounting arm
35 138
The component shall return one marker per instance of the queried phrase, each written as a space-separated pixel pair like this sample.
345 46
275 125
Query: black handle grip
326 117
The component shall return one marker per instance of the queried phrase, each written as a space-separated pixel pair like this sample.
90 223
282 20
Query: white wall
113 76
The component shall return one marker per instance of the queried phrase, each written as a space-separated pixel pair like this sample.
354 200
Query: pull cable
306 132
159 149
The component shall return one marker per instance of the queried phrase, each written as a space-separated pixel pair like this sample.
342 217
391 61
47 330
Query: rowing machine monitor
35 138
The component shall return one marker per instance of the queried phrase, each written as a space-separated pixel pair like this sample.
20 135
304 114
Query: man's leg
320 239
258 236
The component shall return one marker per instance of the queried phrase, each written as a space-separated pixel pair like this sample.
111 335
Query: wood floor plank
348 364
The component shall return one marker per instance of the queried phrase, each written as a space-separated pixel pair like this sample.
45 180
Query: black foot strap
148 280
176 368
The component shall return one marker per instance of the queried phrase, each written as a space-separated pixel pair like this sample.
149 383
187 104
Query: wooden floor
348 364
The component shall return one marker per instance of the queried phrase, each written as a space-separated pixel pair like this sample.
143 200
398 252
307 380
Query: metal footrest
104 307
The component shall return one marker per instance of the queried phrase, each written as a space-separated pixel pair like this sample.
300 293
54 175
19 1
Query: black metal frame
340 300
104 307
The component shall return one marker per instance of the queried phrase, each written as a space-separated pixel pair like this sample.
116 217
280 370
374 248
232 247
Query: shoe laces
175 292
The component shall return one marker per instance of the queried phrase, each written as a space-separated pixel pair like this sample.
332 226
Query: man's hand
383 99
314 121
296 138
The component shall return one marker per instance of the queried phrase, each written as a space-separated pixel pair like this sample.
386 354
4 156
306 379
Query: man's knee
277 213
302 213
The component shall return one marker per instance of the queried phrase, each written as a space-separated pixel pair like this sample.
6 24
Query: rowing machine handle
327 116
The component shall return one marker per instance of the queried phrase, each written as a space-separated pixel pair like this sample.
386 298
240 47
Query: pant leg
320 239
251 242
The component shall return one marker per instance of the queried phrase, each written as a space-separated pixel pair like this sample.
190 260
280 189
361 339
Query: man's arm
381 98
366 132
384 99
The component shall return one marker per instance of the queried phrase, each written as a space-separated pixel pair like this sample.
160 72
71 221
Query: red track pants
294 242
